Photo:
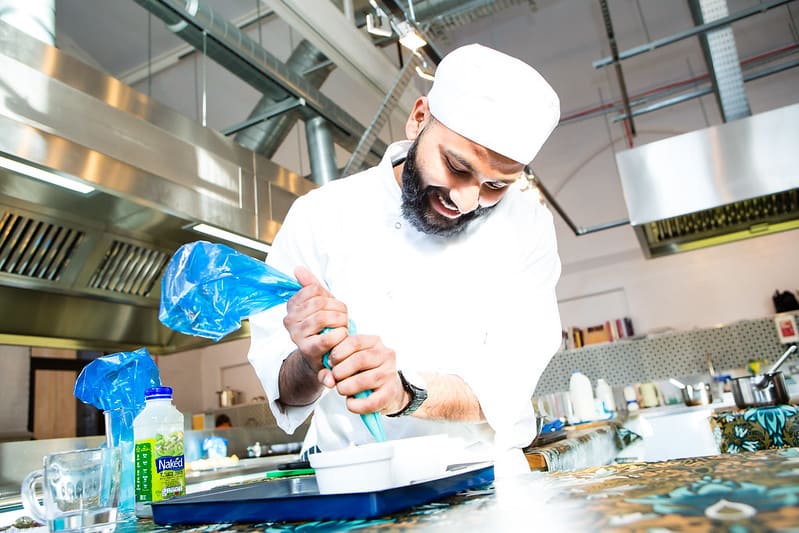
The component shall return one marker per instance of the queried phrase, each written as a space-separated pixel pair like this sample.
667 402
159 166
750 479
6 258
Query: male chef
443 264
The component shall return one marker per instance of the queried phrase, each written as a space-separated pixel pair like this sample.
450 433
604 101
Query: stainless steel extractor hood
721 184
83 271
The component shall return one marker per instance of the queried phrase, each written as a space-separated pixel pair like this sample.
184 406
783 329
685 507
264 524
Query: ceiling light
378 24
423 74
409 36
48 176
232 237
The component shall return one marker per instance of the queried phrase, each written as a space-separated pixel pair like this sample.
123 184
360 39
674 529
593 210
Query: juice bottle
158 436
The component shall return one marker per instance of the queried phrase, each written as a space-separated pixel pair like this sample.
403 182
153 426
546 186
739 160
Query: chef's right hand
310 311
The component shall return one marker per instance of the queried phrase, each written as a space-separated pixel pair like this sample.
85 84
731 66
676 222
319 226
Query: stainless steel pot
760 390
698 394
228 397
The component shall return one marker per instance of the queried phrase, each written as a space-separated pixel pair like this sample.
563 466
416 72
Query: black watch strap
418 396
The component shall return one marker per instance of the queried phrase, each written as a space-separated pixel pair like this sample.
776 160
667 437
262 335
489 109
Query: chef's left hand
363 362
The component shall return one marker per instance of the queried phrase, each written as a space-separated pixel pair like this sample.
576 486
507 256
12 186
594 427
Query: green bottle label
160 472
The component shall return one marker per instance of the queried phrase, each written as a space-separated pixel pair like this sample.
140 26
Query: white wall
562 38
196 375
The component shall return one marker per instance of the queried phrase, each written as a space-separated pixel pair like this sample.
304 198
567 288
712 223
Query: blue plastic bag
118 381
115 384
207 289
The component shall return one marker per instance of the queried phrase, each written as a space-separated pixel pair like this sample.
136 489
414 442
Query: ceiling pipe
577 230
199 25
266 136
658 43
707 90
603 5
321 151
681 85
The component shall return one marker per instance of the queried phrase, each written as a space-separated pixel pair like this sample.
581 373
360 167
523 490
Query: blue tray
298 499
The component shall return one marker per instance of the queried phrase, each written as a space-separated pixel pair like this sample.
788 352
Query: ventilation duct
233 49
265 138
83 271
721 184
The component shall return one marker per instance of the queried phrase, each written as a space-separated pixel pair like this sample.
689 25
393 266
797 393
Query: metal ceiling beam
336 37
163 61
550 199
603 5
272 111
721 56
707 90
230 47
648 47
266 137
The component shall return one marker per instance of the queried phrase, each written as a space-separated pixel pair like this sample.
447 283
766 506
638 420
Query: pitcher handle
29 500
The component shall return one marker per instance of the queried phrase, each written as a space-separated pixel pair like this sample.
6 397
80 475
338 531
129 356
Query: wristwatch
415 385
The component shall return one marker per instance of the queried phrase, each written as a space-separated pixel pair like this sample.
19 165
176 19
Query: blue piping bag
207 289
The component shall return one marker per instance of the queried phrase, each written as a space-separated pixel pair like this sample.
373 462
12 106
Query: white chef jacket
480 305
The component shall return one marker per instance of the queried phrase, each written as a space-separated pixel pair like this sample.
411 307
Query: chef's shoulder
350 190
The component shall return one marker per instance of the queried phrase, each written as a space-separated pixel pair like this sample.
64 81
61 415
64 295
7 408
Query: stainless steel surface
777 364
748 391
721 57
697 394
732 181
228 397
321 152
266 137
84 270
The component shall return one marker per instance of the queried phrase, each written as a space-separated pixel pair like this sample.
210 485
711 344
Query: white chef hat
495 100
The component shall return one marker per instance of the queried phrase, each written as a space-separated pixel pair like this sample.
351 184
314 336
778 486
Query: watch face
415 379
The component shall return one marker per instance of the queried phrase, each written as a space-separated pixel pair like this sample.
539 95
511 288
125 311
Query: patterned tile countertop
751 491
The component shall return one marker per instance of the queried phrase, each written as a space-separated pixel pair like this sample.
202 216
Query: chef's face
448 180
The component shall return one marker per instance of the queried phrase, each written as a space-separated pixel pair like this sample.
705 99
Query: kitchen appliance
732 181
698 394
89 266
228 397
762 389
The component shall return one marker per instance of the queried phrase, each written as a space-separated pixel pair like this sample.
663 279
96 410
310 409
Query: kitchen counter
584 445
753 491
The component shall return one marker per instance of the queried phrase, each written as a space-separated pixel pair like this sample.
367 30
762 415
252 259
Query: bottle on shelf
581 395
604 395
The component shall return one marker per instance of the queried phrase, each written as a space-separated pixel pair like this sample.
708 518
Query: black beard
416 204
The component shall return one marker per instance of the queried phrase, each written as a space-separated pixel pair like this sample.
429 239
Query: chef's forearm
449 398
298 383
